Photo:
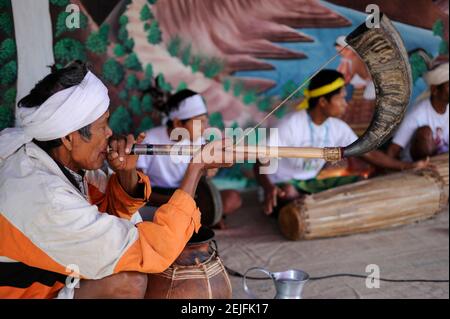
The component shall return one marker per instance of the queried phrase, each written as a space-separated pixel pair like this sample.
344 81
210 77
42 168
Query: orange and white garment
47 227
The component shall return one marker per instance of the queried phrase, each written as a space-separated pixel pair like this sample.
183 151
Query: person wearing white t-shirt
318 126
424 130
166 172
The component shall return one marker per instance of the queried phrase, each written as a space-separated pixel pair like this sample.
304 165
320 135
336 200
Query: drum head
204 235
209 202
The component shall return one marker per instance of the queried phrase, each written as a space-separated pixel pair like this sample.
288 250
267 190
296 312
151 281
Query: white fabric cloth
34 40
163 170
437 75
63 113
57 218
422 114
191 107
369 86
298 130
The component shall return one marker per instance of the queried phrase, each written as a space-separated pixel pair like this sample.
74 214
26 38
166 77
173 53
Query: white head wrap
437 75
191 107
64 112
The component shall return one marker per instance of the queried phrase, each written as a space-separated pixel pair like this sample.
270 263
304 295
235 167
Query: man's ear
68 141
323 102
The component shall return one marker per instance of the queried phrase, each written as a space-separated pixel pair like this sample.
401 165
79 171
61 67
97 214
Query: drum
198 273
207 198
441 163
368 205
209 202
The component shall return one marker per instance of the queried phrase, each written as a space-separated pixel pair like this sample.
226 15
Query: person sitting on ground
184 110
61 214
424 130
317 125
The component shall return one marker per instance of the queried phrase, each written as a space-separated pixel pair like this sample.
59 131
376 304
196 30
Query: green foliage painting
145 125
60 3
8 73
146 13
7 50
67 50
132 62
6 23
418 66
97 42
120 121
154 33
113 72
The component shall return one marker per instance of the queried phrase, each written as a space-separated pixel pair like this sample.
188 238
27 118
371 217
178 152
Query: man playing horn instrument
61 215
317 126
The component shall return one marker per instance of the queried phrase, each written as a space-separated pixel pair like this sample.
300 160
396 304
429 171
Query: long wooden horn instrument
382 49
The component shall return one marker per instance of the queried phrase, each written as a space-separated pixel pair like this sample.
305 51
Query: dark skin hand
124 164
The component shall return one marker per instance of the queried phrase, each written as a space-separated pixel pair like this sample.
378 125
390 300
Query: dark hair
57 80
322 78
173 103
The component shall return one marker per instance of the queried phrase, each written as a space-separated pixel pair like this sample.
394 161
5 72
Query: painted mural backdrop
243 56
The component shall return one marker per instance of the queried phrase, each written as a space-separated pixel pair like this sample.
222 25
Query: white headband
438 75
64 112
191 107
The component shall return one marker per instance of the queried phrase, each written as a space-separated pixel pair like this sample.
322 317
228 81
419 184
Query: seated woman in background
165 172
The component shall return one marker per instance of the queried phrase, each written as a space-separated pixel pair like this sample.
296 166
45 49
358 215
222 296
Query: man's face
443 91
337 105
90 154
202 121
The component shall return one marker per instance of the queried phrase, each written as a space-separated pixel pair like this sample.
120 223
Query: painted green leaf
6 23
154 33
135 105
146 14
132 62
8 73
216 120
145 125
120 121
7 50
132 82
113 71
146 103
119 50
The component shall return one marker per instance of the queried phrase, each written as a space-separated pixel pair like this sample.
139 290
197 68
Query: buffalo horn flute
326 153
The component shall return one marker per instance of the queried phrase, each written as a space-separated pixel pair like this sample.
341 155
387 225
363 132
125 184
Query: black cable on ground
238 274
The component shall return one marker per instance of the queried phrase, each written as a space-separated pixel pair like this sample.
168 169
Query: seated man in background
183 109
424 130
317 126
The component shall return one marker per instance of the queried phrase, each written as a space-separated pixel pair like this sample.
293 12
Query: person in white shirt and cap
62 218
354 69
185 111
424 130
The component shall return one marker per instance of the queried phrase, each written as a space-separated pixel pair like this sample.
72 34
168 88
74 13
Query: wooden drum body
198 273
441 163
377 203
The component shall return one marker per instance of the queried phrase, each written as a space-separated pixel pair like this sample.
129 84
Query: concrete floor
414 251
